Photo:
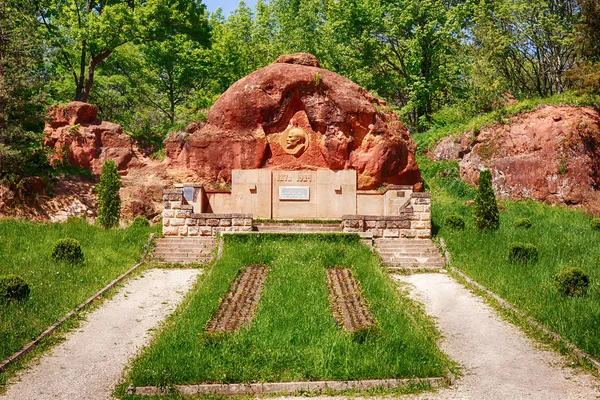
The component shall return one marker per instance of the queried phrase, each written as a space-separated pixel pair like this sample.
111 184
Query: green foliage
68 250
13 287
485 208
140 221
524 223
522 253
455 222
595 224
572 282
109 201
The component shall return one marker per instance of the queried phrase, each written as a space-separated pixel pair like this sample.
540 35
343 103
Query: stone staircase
409 255
290 227
184 250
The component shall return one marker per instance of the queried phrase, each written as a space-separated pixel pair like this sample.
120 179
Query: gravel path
497 359
89 363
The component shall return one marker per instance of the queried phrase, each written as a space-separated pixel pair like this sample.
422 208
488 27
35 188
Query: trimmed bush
68 250
13 287
485 207
524 223
522 253
109 201
455 222
596 224
572 282
140 222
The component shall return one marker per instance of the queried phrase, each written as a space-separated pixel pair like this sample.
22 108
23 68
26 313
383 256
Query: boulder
294 115
81 139
551 154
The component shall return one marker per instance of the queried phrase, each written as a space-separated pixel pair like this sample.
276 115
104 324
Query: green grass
56 288
564 239
293 335
452 121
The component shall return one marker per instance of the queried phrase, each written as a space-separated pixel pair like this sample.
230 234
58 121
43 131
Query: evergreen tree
109 201
485 209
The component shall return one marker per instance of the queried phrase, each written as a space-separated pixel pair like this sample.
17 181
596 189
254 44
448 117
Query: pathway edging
31 345
575 351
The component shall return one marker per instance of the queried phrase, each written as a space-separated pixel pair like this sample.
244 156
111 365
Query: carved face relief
294 141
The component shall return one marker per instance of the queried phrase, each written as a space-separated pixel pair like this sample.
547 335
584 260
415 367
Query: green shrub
109 201
522 223
596 224
140 222
485 208
12 287
68 250
455 222
522 253
572 282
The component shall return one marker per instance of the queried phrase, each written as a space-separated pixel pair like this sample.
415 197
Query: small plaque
294 193
188 193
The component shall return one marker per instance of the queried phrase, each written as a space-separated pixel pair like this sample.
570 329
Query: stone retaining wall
179 218
413 221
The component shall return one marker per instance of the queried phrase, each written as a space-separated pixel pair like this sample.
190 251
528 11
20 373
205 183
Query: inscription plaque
294 193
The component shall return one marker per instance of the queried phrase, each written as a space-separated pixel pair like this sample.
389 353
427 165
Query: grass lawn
293 335
563 238
56 288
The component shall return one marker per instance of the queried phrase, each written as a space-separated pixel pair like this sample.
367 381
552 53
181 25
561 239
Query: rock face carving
294 115
550 155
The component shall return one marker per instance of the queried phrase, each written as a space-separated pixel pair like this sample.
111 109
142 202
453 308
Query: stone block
212 222
193 231
168 213
425 216
377 233
183 213
176 205
183 230
177 221
200 221
352 230
391 233
370 224
247 221
245 229
398 224
420 225
225 222
205 230
170 231
187 207
381 224
166 205
237 221
352 223
191 221
424 233
408 233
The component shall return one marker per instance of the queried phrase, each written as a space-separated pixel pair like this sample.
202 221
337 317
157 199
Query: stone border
31 345
234 389
579 354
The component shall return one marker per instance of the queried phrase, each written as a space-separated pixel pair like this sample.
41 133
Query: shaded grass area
293 335
56 288
563 238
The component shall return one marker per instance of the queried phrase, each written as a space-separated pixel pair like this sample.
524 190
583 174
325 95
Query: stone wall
179 218
413 221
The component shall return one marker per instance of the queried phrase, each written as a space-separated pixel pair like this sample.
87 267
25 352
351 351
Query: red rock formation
345 126
551 154
75 132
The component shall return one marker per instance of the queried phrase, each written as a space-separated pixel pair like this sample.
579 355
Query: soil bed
347 301
238 308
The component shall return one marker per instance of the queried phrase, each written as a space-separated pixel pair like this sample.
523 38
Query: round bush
524 223
140 222
522 253
68 250
13 287
596 224
572 282
455 222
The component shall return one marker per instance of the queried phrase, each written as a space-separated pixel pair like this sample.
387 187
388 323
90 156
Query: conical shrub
485 208
109 201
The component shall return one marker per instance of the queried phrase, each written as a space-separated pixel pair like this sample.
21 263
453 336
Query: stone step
179 246
183 250
185 240
412 270
183 253
181 259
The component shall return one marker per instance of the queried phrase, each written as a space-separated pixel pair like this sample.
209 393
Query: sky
227 5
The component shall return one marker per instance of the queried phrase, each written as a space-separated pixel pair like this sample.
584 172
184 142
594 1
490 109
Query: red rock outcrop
344 127
551 155
79 137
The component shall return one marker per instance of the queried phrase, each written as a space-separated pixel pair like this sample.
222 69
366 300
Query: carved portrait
294 141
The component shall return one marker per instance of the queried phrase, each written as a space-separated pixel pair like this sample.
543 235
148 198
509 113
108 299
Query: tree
485 208
109 201
87 32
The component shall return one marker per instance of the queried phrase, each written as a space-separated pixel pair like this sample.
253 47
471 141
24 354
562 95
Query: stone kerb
179 218
413 221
